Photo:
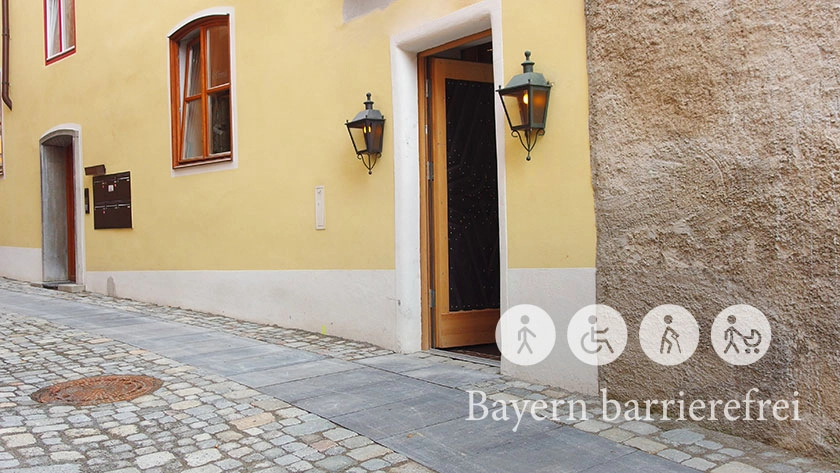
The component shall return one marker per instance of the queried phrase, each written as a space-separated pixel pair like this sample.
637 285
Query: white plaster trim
354 304
561 292
74 130
23 264
404 48
59 130
234 115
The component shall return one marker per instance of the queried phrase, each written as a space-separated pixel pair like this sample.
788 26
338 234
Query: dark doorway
58 210
473 196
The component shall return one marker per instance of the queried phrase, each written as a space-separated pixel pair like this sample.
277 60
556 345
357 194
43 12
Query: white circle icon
741 334
525 334
597 334
669 334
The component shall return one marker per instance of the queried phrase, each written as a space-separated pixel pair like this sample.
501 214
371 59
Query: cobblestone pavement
200 421
195 423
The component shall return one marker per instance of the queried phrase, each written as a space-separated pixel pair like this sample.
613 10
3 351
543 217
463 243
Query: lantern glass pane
358 137
516 108
373 136
539 107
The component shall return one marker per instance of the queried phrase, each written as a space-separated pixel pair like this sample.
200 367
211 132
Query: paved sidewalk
239 396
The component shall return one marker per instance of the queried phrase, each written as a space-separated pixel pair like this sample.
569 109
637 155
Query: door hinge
430 171
432 298
426 128
428 88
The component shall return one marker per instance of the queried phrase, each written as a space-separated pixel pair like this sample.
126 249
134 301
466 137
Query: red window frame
63 52
180 98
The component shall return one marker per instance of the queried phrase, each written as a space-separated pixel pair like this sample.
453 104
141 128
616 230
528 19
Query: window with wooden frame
201 92
59 29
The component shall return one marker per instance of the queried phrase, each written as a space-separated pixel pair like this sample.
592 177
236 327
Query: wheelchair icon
591 338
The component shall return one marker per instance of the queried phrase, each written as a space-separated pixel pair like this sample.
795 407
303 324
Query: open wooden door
464 216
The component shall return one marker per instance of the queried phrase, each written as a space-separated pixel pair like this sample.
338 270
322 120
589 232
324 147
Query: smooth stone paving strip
397 405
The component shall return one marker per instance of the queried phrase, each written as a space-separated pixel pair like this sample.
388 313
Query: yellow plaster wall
301 72
550 207
290 112
20 188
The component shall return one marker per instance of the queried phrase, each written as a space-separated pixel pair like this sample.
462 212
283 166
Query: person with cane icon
673 339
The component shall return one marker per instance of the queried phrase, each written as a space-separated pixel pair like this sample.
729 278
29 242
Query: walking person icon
523 333
516 334
674 336
729 335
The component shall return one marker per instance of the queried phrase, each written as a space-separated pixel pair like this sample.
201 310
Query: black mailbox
112 201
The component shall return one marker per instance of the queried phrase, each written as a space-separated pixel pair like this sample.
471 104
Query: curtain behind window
68 25
53 43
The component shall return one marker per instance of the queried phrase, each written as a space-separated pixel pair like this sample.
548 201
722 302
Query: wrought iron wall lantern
525 100
366 132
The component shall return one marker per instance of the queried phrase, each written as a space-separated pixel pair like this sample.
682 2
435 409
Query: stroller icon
741 334
750 342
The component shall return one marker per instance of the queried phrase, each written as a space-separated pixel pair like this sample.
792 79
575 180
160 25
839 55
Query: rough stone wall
715 133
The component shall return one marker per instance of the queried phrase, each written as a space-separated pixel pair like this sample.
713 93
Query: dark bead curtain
473 196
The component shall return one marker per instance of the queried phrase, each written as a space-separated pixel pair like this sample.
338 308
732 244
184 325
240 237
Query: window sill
203 162
208 165
60 56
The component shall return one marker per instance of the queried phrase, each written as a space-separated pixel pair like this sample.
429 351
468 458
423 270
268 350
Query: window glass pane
68 24
219 123
53 44
193 146
218 56
194 68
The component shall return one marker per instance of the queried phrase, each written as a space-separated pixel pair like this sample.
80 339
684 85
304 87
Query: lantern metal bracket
530 139
371 160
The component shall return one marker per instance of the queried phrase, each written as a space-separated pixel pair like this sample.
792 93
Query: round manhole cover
98 390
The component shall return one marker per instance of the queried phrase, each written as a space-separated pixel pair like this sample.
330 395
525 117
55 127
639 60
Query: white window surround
404 48
200 168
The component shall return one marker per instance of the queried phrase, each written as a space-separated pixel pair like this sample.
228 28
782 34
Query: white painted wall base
354 304
23 264
561 293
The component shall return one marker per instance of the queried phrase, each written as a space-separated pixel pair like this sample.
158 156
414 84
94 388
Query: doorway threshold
464 357
64 286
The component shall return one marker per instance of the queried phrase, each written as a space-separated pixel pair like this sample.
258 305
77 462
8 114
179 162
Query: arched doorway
60 207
